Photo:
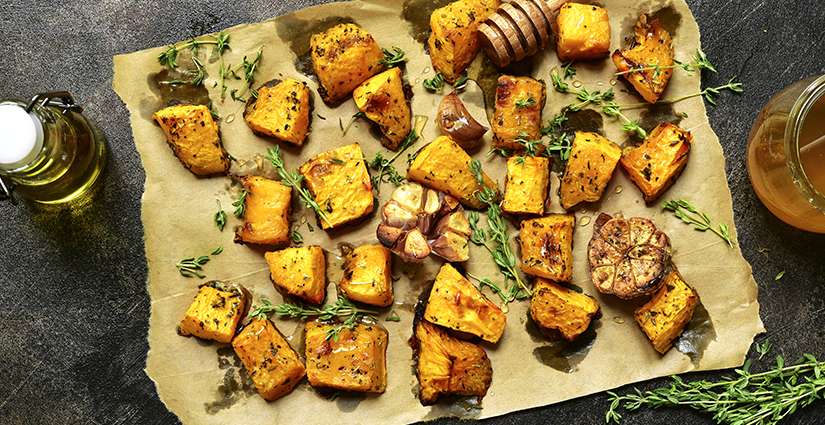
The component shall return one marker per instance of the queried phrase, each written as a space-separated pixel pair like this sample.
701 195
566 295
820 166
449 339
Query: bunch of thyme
385 167
293 180
748 399
498 236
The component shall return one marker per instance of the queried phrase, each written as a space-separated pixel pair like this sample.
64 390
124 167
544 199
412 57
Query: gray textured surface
73 303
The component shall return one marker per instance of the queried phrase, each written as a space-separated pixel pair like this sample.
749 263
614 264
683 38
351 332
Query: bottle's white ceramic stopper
21 138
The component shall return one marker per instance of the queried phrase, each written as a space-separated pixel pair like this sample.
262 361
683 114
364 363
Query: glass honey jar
50 151
786 155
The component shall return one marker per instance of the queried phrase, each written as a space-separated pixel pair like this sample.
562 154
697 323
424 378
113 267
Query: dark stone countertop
73 303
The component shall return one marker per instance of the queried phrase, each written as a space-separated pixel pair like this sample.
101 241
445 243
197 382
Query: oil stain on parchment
237 385
697 335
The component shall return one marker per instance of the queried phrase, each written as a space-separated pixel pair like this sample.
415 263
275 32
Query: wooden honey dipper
517 30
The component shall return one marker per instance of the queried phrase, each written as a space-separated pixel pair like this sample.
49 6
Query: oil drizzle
563 356
176 87
236 385
697 335
297 33
417 13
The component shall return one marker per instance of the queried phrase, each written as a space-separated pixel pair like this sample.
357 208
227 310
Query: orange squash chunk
368 276
656 164
589 169
216 312
651 47
192 134
519 102
382 100
266 216
354 361
343 57
271 363
300 271
454 42
547 247
560 312
527 185
664 317
584 32
281 111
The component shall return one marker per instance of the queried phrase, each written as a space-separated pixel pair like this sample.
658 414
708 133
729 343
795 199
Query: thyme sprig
700 61
293 180
240 203
708 93
249 69
343 309
681 208
220 216
385 167
749 399
559 142
170 55
496 239
434 84
392 59
525 103
603 100
191 266
567 69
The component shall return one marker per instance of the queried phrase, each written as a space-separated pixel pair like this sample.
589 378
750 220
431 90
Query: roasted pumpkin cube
300 271
560 312
443 165
281 111
368 275
340 183
583 32
448 366
589 169
527 185
216 312
649 57
456 304
193 136
343 57
547 247
268 358
665 316
454 42
382 100
656 164
266 216
519 102
354 360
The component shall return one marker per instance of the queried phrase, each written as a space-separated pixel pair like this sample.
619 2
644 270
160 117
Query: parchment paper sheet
202 382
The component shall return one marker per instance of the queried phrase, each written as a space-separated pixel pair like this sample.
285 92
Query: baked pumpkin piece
300 271
560 312
519 102
268 358
583 32
417 221
368 275
456 304
627 257
656 164
443 165
454 42
527 185
355 360
547 247
343 57
447 366
281 111
216 312
339 182
266 216
193 136
589 169
649 57
382 100
665 316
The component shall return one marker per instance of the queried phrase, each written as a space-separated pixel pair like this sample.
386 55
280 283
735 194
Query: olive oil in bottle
50 150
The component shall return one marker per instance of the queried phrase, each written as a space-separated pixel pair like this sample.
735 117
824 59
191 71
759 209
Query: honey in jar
786 155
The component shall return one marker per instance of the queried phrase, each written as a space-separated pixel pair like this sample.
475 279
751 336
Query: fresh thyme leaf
567 70
297 237
338 161
240 204
191 266
293 180
779 276
392 59
354 116
220 216
200 75
681 208
434 84
558 84
525 103
764 348
261 312
385 166
217 250
461 83
393 317
321 117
